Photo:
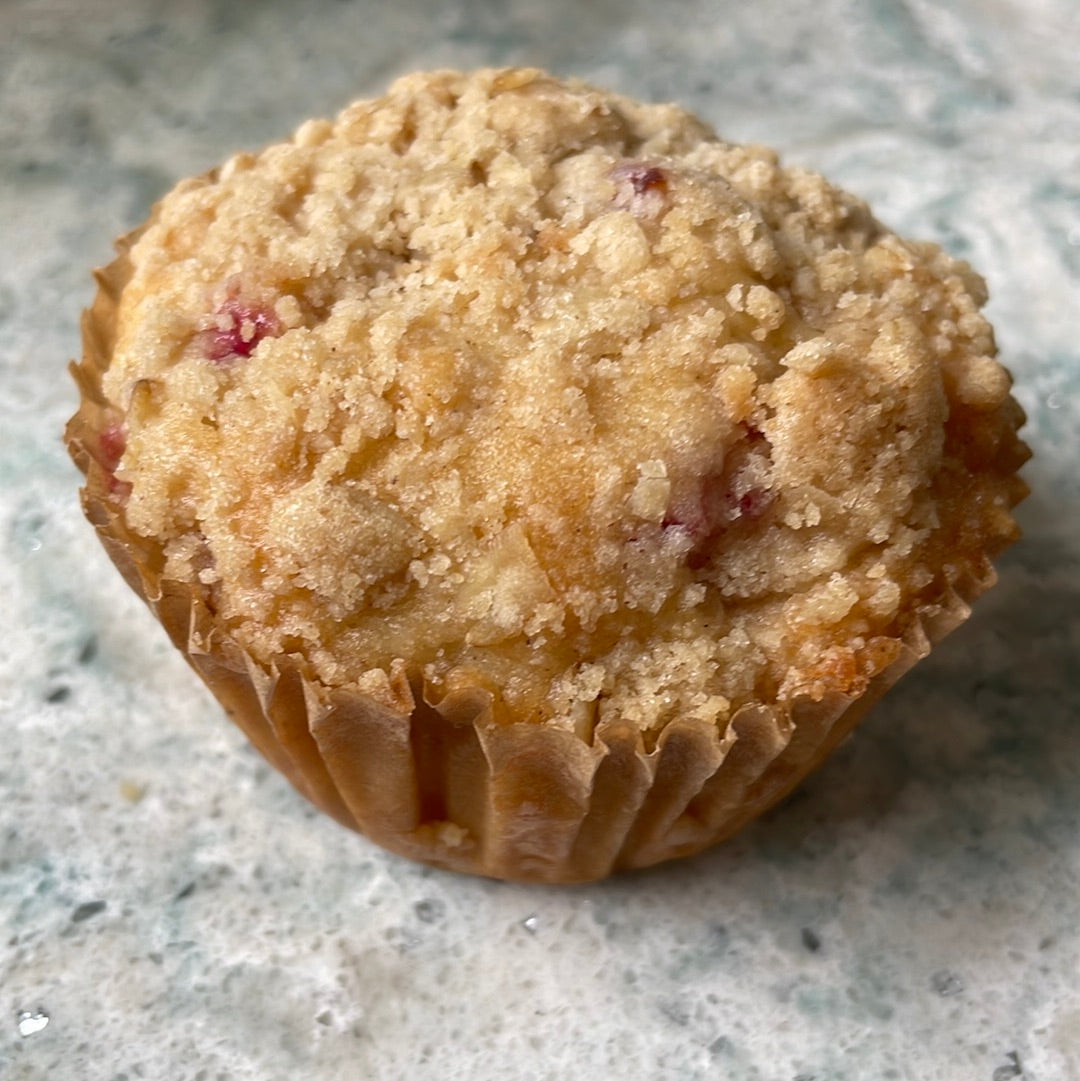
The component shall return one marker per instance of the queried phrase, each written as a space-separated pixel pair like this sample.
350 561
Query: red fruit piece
716 506
111 443
240 327
641 176
722 500
752 504
640 188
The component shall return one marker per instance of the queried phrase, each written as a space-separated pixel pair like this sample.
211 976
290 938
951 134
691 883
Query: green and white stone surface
170 909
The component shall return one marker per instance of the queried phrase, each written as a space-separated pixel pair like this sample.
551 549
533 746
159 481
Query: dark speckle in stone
903 881
719 937
35 169
27 528
187 891
75 127
946 983
810 940
86 910
1010 1070
88 651
125 70
151 33
429 910
58 694
720 1046
676 1012
228 17
704 955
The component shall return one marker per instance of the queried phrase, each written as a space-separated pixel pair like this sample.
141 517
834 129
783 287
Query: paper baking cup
439 779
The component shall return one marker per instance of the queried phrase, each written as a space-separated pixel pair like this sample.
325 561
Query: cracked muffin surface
534 388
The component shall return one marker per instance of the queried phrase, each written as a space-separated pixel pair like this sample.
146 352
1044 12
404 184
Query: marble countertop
169 908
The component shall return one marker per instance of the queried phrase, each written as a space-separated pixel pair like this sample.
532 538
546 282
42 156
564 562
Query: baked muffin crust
528 386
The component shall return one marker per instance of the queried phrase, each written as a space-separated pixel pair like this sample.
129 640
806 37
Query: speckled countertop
169 908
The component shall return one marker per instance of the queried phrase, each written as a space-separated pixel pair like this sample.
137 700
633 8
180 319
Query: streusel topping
529 385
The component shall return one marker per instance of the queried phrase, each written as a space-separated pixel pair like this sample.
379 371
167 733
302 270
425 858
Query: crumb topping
520 381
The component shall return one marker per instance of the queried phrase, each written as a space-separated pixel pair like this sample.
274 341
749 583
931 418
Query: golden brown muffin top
529 385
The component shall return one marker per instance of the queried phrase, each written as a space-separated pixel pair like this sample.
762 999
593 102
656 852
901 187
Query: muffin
543 484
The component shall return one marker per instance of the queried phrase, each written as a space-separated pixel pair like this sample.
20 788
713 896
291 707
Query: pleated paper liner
438 779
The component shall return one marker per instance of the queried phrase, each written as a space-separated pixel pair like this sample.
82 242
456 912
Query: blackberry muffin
544 484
